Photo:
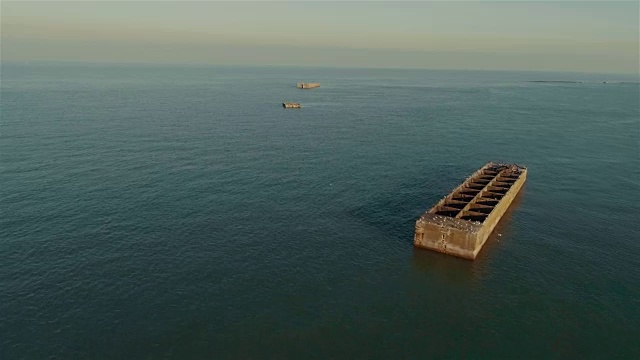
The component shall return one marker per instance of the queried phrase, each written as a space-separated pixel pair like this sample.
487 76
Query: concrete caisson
291 105
308 85
461 222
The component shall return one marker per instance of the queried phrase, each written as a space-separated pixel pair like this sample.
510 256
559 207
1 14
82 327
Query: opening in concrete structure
471 192
502 184
493 196
459 205
481 181
463 198
498 190
478 181
505 180
487 202
479 218
450 213
483 210
475 186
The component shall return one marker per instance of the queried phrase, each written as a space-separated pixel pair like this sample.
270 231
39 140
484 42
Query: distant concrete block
291 105
308 85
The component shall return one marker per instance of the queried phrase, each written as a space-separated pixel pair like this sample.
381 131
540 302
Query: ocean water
180 212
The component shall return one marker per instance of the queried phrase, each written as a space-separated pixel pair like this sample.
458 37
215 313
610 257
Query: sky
586 36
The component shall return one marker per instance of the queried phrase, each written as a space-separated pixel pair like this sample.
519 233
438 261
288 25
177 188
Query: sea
180 212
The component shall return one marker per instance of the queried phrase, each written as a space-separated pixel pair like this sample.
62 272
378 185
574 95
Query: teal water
180 212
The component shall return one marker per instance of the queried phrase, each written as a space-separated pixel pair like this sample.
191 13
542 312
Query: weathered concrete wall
461 222
447 235
494 217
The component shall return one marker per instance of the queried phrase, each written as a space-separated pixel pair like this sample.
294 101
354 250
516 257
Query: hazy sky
526 35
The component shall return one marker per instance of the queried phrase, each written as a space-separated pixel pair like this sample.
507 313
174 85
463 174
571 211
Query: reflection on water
442 267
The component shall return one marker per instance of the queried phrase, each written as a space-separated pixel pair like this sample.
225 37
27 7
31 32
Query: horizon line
391 67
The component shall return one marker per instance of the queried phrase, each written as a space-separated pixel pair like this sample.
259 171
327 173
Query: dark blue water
180 212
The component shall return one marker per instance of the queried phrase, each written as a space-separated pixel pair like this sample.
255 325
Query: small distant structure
308 85
291 105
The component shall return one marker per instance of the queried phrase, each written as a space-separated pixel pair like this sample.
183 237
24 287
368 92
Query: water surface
180 212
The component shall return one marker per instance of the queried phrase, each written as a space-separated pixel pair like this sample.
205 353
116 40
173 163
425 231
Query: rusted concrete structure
291 105
461 222
308 85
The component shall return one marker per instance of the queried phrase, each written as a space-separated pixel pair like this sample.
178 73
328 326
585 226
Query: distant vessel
308 85
291 105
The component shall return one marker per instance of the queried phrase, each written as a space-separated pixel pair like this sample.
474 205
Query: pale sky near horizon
506 35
